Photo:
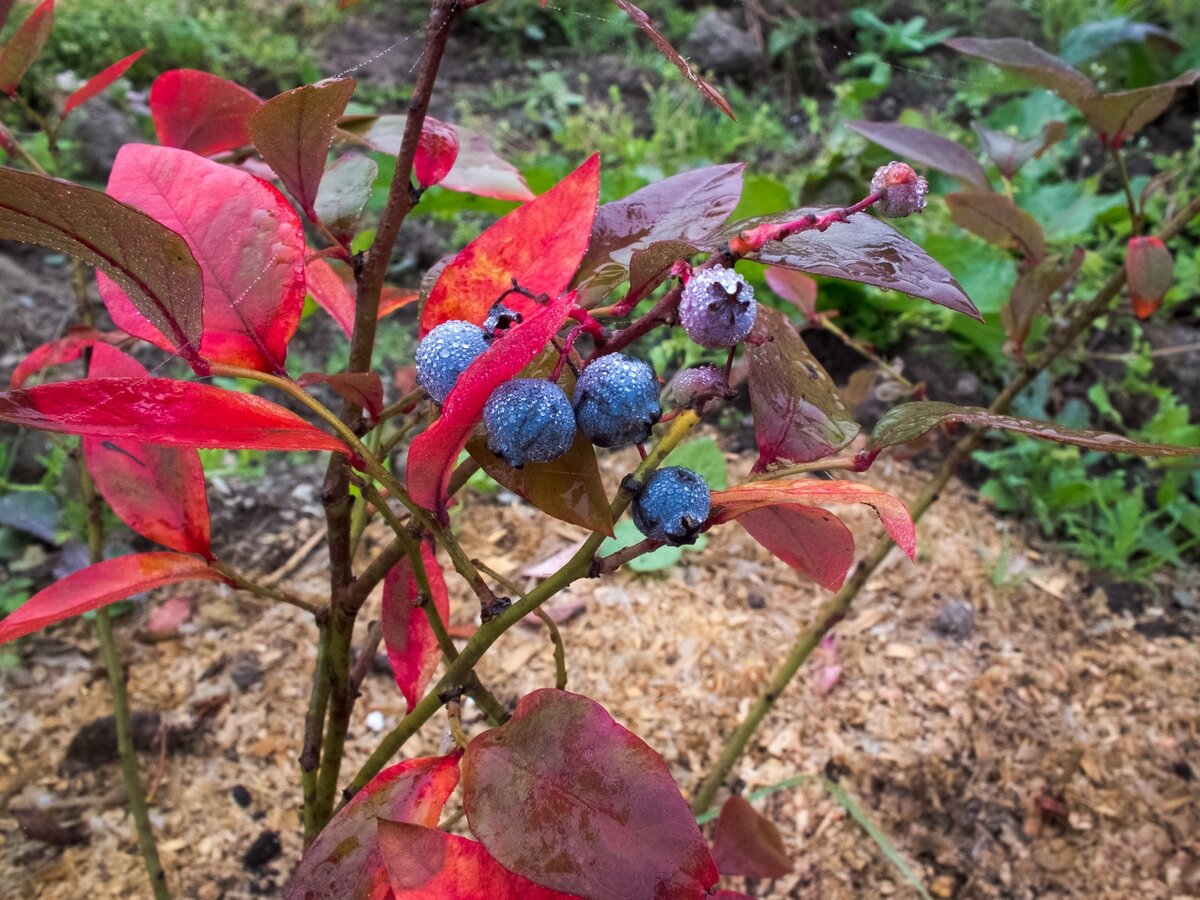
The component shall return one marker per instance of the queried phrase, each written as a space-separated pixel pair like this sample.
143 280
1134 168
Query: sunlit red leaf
245 236
927 148
56 353
799 416
99 82
1149 272
707 91
150 262
997 219
909 421
344 862
157 491
363 389
331 293
437 150
393 298
293 132
101 584
412 648
566 797
435 450
795 287
427 864
201 112
163 411
24 46
539 245
747 843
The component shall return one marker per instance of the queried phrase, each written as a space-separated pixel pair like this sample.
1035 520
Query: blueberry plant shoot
530 365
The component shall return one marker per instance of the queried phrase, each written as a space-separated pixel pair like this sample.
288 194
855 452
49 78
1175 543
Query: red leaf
344 862
164 621
394 298
707 91
566 797
99 82
795 287
926 148
363 389
293 132
480 171
157 491
56 353
1150 272
331 293
437 151
246 238
101 584
412 648
539 245
163 411
24 46
150 262
201 112
427 864
812 541
747 843
435 450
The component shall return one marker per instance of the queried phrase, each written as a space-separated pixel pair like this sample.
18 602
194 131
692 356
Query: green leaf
704 457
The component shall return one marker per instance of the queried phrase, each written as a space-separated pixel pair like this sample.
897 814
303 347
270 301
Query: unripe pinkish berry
903 190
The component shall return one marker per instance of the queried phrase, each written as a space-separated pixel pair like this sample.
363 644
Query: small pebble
956 620
240 795
265 848
375 721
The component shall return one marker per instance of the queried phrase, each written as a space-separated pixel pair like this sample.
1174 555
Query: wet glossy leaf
344 191
1119 115
795 287
648 268
293 132
862 249
99 82
799 416
568 798
1032 293
412 648
1149 272
201 112
157 491
331 293
344 862
427 864
539 245
246 238
688 207
1030 61
747 843
909 421
24 46
1009 153
1093 39
927 148
163 411
64 350
435 450
437 150
149 261
997 219
101 584
707 91
363 389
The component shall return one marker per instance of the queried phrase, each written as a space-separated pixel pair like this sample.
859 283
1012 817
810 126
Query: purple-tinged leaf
1120 115
998 220
926 148
1032 292
24 46
1030 61
1010 153
747 843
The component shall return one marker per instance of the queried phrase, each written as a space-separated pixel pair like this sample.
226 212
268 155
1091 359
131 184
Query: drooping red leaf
344 862
245 236
412 648
1010 153
163 411
150 262
686 208
427 864
1032 292
363 389
796 288
799 416
157 491
437 151
101 584
435 450
293 132
99 82
1119 115
707 91
862 249
909 421
566 797
24 46
748 843
479 170
164 621
331 293
1149 272
394 298
539 245
201 112
56 353
997 219
1030 61
927 148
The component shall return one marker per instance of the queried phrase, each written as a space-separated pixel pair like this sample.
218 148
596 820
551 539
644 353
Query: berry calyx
904 190
616 401
672 506
445 353
529 420
717 307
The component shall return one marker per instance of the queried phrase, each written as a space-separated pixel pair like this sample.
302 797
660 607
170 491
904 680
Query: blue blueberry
717 308
445 353
672 506
529 420
616 401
